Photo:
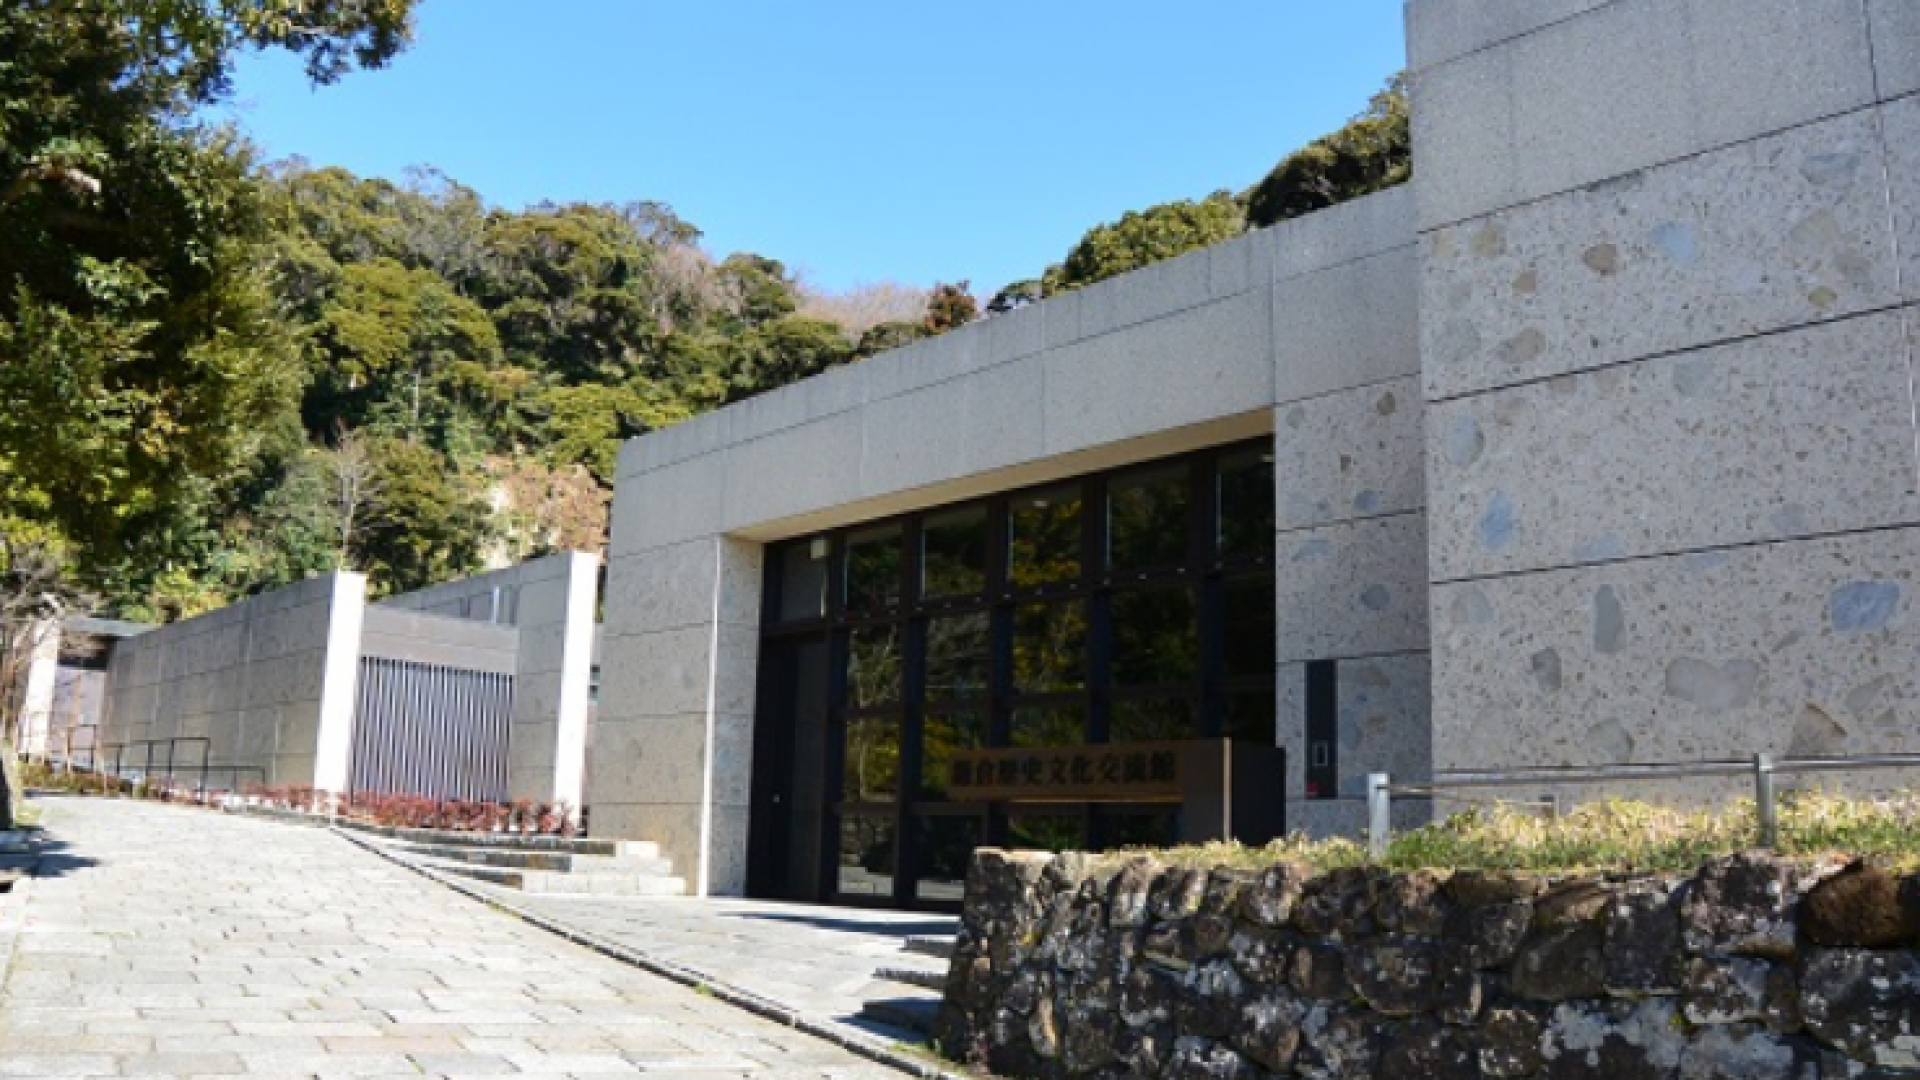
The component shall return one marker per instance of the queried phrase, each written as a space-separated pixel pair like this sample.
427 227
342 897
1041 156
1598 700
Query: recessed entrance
1124 608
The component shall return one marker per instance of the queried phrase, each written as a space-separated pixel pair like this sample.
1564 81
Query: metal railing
1761 767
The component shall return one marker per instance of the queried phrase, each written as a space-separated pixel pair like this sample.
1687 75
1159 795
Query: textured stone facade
1666 337
1126 967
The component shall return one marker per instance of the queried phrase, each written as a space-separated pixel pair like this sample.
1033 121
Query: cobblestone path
168 942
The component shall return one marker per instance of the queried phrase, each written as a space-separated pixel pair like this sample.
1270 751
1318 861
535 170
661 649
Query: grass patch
1609 836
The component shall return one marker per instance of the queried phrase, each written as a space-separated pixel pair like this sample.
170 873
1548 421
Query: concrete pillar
672 740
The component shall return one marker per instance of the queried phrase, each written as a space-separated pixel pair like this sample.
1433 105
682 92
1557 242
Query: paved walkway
162 941
816 961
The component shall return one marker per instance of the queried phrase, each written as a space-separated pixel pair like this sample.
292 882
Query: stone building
1594 443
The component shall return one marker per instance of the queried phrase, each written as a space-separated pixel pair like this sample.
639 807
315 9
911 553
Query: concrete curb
869 1048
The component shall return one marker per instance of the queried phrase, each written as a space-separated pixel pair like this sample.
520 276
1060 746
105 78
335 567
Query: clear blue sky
856 140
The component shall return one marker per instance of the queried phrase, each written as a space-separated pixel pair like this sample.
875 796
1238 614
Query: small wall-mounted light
817 548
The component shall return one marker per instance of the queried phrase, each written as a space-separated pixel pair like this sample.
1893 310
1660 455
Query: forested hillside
219 375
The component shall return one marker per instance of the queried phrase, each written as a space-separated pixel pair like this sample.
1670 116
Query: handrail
1762 767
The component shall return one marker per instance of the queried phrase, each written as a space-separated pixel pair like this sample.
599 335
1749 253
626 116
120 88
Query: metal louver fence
427 729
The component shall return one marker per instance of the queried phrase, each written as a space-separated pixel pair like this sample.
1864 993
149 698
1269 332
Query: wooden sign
1117 772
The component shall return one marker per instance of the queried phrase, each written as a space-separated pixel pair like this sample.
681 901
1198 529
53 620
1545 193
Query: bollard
1379 815
1763 799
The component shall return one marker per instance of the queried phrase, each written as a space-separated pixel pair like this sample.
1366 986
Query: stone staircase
535 864
922 978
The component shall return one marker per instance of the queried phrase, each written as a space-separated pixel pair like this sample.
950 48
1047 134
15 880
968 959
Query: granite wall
552 603
269 681
1666 308
1305 332
1750 968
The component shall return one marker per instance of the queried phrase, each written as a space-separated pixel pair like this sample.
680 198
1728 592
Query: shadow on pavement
857 926
53 859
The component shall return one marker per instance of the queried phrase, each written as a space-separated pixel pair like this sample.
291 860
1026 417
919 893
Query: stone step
558 862
925 978
937 946
542 881
915 1012
570 845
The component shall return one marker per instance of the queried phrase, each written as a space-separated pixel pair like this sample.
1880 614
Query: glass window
942 733
946 846
1046 832
1245 524
803 579
953 548
875 662
866 855
1044 538
873 569
1248 636
959 657
1156 637
872 760
1064 726
1049 647
1140 828
1250 716
1152 720
1147 518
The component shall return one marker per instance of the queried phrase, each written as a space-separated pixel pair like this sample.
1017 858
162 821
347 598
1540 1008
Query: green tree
427 525
949 307
1146 236
140 350
1374 151
784 351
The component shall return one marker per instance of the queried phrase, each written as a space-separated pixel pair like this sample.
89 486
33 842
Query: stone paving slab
817 961
172 942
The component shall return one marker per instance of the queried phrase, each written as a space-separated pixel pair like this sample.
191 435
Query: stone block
1351 454
1382 715
675 503
1370 225
671 445
655 760
919 364
913 440
1901 124
1062 322
727 851
1354 588
762 483
1443 30
1234 266
1023 332
1795 434
1895 29
1152 292
664 673
1801 648
1350 325
1632 84
673 587
733 758
1005 413
1189 368
1774 233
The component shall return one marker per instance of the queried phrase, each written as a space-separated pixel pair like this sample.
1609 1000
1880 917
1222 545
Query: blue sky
857 140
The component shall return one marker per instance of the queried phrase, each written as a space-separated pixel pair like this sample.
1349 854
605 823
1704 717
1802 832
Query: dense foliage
217 377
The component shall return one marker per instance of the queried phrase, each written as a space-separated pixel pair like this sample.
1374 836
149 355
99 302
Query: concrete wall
552 602
1313 319
1667 321
34 692
268 680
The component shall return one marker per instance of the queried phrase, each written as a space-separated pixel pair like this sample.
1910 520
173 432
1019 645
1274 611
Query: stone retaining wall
1753 967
